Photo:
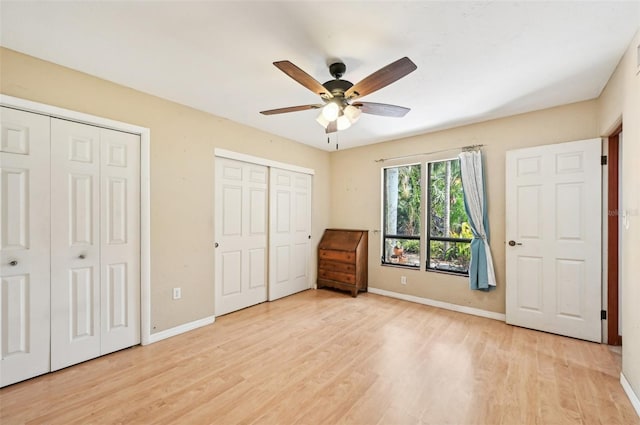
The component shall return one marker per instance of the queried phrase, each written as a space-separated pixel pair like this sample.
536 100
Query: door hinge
603 314
603 160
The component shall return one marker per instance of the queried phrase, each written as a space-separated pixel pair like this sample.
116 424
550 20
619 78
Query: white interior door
75 243
553 225
290 232
119 240
24 245
240 234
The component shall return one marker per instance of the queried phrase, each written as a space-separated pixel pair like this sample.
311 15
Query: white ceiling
476 60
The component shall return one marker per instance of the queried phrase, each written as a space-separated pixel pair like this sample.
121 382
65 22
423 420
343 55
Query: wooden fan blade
382 109
303 78
290 109
332 127
382 78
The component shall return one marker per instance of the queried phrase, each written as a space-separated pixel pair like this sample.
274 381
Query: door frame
224 153
613 236
145 188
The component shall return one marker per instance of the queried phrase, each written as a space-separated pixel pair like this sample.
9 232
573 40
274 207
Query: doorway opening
613 238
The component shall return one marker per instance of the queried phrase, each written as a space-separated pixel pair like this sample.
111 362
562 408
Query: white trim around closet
223 153
145 189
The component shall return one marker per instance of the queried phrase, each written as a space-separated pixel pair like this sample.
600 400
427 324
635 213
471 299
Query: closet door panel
290 232
24 245
241 217
75 243
120 240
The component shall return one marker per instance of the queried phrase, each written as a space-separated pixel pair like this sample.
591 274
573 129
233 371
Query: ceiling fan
340 109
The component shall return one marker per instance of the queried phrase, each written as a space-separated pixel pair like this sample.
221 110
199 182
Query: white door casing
241 190
553 225
290 232
24 245
95 269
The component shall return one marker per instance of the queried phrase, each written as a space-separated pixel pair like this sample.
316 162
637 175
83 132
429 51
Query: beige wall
620 102
356 191
182 145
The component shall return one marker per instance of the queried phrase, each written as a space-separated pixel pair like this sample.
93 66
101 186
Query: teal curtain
481 273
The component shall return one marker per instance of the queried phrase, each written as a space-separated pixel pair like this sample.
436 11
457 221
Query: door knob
13 262
216 245
82 256
514 243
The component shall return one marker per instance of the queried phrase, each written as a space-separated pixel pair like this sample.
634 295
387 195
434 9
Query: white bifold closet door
290 232
95 242
24 245
69 243
241 225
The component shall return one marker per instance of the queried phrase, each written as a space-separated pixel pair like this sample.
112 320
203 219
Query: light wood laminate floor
323 357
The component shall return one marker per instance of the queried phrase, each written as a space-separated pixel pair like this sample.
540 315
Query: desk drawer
337 276
344 256
336 266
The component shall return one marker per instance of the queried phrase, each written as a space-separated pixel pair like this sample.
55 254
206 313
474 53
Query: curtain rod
462 148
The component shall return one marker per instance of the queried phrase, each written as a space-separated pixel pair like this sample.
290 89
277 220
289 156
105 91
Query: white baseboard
440 304
633 397
180 329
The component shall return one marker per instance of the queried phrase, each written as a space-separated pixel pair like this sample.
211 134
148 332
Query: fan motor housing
337 87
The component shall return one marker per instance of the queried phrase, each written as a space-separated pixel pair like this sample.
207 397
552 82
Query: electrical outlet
403 280
177 293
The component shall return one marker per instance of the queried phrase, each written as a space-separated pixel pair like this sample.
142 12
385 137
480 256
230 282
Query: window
449 233
402 212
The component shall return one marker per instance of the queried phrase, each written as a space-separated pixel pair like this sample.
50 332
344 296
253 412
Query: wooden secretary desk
343 260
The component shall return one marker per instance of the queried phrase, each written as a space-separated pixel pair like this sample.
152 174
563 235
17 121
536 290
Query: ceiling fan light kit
344 116
339 112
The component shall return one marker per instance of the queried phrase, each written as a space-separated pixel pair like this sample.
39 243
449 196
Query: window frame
428 238
384 236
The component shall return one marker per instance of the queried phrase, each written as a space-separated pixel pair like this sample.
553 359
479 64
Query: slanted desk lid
341 240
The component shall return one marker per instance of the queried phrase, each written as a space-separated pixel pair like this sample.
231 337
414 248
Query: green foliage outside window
409 200
448 233
411 246
448 218
402 215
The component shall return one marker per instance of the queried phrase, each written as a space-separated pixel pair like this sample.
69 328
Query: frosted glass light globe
343 123
353 113
331 111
